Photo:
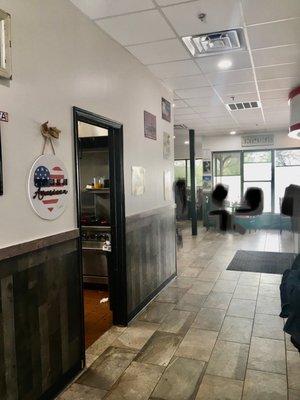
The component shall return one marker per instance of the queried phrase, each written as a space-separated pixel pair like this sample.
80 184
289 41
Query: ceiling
266 71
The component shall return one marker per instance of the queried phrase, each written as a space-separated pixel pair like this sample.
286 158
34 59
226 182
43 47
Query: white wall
225 143
61 59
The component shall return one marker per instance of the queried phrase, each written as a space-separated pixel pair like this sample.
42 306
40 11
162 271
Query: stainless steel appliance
96 248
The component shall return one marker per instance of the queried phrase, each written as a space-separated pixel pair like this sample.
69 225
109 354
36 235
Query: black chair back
219 195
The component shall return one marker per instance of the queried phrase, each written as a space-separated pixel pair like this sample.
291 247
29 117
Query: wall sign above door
48 187
257 140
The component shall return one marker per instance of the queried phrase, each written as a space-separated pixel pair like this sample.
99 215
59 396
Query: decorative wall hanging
149 125
5 45
48 183
168 185
207 182
166 110
206 167
138 181
167 146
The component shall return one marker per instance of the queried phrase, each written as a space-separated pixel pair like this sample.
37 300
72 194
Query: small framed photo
206 167
166 110
5 45
149 125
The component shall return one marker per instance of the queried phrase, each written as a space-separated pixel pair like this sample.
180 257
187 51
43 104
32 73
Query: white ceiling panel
197 92
277 71
186 82
159 52
276 55
146 26
211 111
220 15
96 9
274 34
184 111
275 94
261 11
239 59
179 104
248 115
272 84
275 103
240 97
231 90
204 101
228 77
173 69
163 3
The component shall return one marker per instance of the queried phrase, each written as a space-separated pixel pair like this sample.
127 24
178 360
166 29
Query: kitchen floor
97 315
211 334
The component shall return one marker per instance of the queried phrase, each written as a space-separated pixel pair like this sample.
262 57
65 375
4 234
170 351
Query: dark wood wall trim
151 255
33 245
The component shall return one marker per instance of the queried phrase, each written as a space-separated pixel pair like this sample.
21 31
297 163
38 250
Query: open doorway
101 220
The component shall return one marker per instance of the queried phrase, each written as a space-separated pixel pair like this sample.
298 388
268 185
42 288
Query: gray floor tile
236 330
183 282
197 344
171 295
136 335
229 360
249 278
264 386
245 292
219 388
269 290
190 272
218 300
293 367
106 340
210 319
178 322
179 380
241 308
268 326
271 278
267 355
210 276
137 382
107 368
156 312
224 286
191 302
159 349
288 344
201 287
230 275
268 305
82 392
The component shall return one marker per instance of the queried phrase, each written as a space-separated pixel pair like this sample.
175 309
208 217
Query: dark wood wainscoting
151 255
40 317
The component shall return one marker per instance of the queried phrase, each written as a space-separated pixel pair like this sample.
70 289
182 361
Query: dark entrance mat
261 261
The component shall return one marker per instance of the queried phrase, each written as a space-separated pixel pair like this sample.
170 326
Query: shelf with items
97 191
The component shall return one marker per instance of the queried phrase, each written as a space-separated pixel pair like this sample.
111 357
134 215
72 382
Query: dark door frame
117 271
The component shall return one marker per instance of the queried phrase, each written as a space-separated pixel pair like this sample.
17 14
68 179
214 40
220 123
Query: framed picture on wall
5 45
206 167
166 110
1 171
149 125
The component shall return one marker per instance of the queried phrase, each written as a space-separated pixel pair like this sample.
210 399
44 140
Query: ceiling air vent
180 126
206 44
243 106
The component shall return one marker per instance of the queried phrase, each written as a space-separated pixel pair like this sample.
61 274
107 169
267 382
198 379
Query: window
5 45
182 171
227 170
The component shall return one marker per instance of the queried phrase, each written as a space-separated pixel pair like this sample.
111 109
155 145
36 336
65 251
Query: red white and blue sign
48 187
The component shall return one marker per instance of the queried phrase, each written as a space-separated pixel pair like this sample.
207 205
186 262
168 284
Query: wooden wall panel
40 320
151 254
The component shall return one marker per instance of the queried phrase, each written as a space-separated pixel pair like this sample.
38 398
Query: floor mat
261 261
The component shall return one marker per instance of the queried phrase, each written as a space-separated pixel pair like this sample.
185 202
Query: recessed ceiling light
186 142
174 137
173 105
225 64
232 132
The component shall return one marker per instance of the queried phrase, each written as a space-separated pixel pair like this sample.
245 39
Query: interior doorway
101 221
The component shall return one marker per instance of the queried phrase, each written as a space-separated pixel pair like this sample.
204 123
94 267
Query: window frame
186 160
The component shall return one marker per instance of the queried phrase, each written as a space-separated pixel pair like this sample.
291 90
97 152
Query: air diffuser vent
215 42
243 106
180 126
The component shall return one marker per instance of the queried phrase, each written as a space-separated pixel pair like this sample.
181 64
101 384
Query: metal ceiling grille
243 106
180 126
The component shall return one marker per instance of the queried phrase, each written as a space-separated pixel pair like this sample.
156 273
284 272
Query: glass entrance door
258 172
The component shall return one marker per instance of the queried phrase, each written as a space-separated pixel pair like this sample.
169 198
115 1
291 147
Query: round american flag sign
48 187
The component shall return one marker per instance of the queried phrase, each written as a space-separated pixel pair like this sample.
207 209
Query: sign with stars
48 187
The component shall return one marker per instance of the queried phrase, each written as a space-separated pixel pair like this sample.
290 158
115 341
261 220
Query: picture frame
166 145
150 126
5 45
165 110
137 181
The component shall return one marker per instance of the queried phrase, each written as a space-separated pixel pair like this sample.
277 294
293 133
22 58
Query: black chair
253 204
218 198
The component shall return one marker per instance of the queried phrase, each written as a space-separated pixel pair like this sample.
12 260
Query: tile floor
211 334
